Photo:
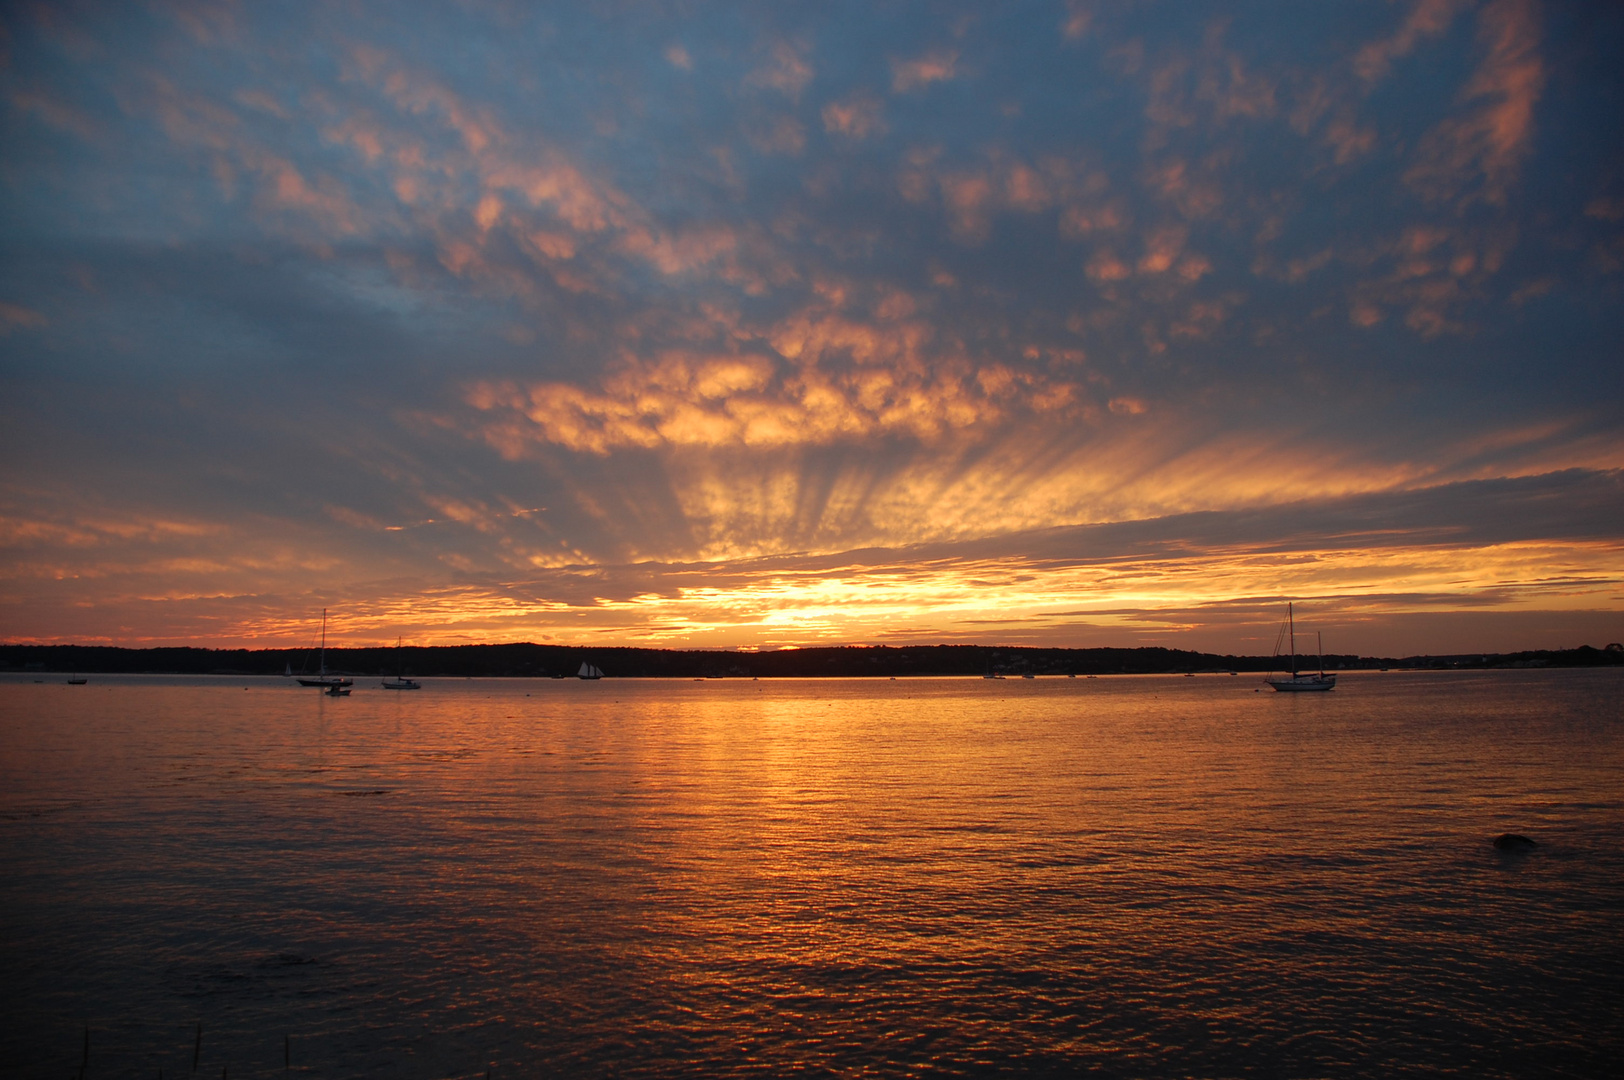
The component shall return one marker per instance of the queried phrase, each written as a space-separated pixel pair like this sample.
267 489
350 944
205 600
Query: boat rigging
322 679
1306 680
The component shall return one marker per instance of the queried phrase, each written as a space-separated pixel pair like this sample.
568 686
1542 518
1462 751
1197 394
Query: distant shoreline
544 661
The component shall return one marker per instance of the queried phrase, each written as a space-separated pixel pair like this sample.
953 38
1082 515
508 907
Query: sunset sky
758 325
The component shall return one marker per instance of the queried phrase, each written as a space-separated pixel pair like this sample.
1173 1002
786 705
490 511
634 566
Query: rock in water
1512 842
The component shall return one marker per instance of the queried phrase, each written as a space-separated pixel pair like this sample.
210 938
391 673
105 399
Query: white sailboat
322 679
589 671
1304 681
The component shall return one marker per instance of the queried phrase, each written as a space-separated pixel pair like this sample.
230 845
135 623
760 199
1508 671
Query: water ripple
927 877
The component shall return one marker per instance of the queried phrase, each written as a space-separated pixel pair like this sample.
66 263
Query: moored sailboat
322 679
400 681
1304 680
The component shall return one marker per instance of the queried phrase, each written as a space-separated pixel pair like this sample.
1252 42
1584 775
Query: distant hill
540 661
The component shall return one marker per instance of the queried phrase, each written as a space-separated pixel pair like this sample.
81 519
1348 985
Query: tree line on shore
541 661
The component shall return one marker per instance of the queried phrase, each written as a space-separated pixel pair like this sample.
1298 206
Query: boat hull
326 683
1302 685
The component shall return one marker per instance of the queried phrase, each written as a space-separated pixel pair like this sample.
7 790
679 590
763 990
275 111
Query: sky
775 325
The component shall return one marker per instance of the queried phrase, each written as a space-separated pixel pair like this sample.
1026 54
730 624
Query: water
1139 876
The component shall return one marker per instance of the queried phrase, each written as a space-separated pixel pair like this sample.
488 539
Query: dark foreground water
1137 876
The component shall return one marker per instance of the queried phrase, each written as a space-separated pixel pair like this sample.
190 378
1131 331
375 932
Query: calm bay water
1140 876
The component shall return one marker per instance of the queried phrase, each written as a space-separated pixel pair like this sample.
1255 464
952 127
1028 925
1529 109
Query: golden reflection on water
1142 875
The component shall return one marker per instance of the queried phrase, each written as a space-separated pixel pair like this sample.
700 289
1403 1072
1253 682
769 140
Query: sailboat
589 671
400 681
324 680
1304 681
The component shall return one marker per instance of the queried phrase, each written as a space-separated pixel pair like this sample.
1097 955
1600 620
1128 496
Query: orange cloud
1427 18
1162 248
855 118
1200 321
1348 139
56 113
207 24
1105 266
14 317
539 199
909 75
198 121
1195 197
1079 17
1233 92
966 196
1026 189
683 400
1079 220
584 204
488 212
675 254
786 71
1477 155
1431 274
188 118
360 132
418 93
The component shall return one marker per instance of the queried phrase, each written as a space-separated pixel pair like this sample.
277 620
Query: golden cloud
688 400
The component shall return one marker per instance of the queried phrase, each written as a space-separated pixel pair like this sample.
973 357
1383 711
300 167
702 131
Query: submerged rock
1512 842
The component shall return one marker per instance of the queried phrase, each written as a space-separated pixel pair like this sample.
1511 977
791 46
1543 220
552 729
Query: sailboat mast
1319 641
324 641
1291 620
